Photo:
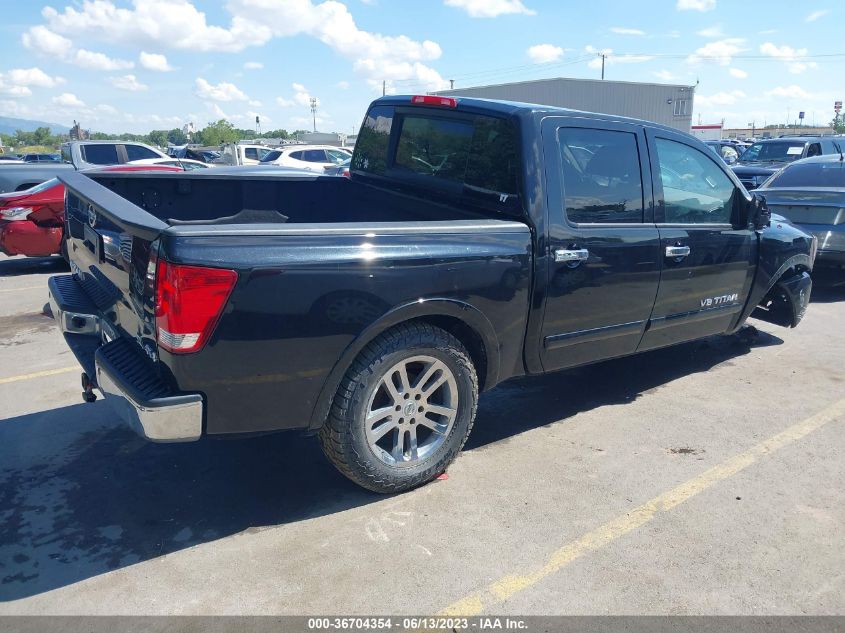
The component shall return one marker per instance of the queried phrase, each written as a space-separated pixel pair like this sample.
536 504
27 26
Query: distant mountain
8 125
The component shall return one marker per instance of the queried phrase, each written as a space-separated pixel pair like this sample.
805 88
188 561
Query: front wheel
404 409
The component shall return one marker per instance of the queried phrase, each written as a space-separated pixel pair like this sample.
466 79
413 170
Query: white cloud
301 95
154 61
68 100
42 40
738 73
343 85
544 53
255 103
285 103
719 52
223 91
13 91
490 8
696 5
664 75
625 31
719 99
31 77
712 32
791 56
789 92
253 66
179 24
127 82
815 15
173 23
99 61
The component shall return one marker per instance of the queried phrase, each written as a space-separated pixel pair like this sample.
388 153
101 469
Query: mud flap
786 303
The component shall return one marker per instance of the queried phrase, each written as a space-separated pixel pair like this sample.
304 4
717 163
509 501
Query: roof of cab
516 108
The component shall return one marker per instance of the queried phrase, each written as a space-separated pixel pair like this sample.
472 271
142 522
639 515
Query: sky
137 65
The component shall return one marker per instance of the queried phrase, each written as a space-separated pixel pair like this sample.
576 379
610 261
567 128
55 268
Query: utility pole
451 84
383 88
314 111
603 57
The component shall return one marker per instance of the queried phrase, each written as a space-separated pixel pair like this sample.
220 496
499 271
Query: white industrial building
667 104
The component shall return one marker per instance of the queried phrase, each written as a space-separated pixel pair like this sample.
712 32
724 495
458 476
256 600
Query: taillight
189 301
447 102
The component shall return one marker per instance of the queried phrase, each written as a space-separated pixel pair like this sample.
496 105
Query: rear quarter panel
303 300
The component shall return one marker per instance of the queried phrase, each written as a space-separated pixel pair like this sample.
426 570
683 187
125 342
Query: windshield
830 174
778 151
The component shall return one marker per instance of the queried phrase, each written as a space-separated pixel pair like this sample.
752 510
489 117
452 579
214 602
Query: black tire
344 436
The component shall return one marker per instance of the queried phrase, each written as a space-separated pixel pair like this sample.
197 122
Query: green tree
281 133
217 133
158 137
177 136
838 124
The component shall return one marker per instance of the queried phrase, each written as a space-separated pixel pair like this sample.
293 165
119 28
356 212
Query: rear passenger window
602 182
314 156
97 154
695 189
136 152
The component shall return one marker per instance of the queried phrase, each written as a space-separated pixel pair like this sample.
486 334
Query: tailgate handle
677 252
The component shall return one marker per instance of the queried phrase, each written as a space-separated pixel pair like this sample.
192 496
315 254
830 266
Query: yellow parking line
507 586
40 374
24 288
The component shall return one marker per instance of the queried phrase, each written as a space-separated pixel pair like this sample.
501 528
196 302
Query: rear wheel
404 409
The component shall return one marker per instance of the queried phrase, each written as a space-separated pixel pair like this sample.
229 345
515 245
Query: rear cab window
100 154
472 158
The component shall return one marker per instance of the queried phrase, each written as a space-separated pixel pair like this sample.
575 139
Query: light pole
314 111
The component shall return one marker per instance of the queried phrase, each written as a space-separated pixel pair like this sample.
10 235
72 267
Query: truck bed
295 198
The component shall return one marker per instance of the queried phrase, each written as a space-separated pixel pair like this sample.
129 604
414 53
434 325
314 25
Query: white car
187 164
310 157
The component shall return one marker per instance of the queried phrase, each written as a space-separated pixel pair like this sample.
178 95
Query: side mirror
759 216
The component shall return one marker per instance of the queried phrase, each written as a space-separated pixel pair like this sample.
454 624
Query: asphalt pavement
707 478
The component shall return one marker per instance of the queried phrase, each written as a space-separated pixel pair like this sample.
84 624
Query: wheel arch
462 320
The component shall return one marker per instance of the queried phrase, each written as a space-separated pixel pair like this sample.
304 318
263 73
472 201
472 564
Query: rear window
810 175
100 154
774 151
474 154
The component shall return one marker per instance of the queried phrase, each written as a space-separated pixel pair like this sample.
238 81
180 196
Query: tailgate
109 242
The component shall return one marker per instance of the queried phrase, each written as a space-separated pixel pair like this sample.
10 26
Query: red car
32 221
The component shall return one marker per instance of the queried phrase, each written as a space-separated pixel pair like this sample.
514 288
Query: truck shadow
81 495
15 266
523 404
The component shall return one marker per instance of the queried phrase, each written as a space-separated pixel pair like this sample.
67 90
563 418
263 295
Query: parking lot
707 478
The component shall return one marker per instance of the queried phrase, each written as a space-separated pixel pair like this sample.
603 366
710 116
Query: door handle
575 256
677 252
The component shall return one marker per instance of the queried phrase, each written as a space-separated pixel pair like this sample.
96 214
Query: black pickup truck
474 241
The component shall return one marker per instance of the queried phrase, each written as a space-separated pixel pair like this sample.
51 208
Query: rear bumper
155 415
127 378
27 238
